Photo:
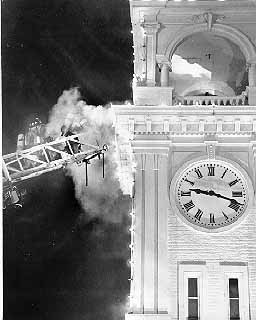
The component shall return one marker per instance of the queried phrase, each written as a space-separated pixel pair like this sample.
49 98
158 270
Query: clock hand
212 193
218 195
198 191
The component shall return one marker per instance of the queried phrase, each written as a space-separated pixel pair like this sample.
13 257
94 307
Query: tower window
193 299
233 299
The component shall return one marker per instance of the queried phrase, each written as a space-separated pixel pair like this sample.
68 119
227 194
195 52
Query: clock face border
175 205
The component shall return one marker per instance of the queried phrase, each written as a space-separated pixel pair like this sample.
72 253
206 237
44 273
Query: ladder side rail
59 141
6 173
18 175
46 167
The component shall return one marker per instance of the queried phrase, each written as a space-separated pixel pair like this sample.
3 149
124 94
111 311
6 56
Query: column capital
250 64
156 157
166 65
251 61
163 62
141 159
162 59
150 28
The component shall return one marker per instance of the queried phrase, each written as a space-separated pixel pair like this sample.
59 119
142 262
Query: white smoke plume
102 197
119 309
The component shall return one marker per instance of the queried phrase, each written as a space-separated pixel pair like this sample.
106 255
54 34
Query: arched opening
207 64
222 30
234 39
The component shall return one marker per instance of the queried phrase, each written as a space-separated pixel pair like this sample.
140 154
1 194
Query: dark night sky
57 265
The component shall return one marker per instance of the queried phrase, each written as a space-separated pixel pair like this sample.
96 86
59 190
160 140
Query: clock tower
192 136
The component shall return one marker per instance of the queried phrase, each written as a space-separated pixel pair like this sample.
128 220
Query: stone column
165 74
252 83
150 30
252 74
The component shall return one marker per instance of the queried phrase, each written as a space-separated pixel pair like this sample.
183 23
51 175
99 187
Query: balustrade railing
240 100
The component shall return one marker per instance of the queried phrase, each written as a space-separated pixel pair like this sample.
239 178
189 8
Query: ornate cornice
187 120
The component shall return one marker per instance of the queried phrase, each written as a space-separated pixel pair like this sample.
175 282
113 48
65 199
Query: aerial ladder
39 159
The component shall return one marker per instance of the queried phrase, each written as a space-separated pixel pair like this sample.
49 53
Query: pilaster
252 83
150 30
149 294
252 96
252 74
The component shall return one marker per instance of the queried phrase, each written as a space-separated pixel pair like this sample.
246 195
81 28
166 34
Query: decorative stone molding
212 100
166 126
237 125
131 125
148 124
162 59
209 18
150 28
189 120
210 148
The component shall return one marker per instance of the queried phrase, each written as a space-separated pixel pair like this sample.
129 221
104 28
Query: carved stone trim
209 18
210 148
150 28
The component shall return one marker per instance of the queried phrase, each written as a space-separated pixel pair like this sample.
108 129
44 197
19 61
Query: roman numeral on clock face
234 205
225 216
211 170
237 194
185 193
191 182
223 175
212 218
189 205
232 183
199 214
199 174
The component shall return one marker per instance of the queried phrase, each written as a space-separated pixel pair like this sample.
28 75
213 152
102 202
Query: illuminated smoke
118 310
103 197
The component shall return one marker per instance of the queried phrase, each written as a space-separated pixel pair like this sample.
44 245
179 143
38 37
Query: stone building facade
193 248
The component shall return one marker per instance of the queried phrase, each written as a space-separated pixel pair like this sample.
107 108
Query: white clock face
211 194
